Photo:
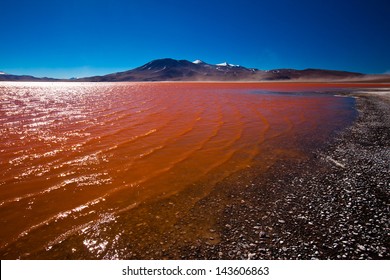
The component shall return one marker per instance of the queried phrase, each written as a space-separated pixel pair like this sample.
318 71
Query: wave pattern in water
74 153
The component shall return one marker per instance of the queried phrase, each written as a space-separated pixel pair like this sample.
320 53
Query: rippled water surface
77 154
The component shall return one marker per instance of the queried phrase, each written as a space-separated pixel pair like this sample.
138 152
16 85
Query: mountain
23 78
168 69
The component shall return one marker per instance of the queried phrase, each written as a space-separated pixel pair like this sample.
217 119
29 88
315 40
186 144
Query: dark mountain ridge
23 78
168 69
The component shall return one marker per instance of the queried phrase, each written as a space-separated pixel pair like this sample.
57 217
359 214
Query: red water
72 153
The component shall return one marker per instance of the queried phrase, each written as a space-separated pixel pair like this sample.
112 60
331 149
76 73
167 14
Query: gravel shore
334 205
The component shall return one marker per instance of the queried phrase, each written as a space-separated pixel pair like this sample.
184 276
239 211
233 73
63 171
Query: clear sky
60 38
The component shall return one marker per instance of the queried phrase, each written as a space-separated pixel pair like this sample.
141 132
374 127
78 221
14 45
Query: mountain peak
198 61
164 63
225 64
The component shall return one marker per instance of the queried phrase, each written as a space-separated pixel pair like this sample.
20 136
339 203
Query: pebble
251 255
361 247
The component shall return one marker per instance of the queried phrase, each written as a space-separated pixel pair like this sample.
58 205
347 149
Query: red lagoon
78 155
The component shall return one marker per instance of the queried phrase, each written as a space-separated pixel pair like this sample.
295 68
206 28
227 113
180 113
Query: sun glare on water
78 155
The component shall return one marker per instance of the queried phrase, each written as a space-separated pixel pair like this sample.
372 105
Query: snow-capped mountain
227 64
198 61
168 69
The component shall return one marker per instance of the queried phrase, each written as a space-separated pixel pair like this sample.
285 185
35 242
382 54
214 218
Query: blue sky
83 38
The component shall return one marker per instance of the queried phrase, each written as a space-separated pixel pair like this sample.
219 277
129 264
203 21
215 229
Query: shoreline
331 204
335 205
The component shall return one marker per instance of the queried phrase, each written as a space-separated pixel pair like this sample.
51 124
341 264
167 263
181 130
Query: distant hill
23 78
169 69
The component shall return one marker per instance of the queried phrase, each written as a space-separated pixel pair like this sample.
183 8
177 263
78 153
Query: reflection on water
74 155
